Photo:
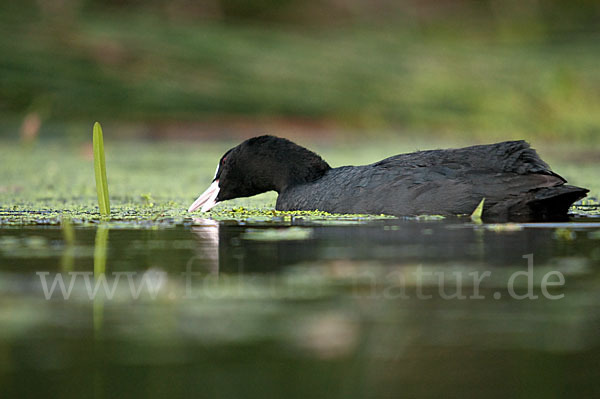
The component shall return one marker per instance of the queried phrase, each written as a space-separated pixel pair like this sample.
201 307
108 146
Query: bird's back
510 175
505 157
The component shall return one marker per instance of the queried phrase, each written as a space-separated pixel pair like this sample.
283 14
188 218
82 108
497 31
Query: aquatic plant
476 215
100 171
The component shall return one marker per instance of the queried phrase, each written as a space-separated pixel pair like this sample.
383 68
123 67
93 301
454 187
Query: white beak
207 199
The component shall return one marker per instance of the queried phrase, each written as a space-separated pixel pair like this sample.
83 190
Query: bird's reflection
207 234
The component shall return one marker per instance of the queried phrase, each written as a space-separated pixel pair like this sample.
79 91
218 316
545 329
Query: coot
516 184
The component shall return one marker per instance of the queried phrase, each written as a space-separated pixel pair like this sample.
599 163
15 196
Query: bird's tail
542 204
554 202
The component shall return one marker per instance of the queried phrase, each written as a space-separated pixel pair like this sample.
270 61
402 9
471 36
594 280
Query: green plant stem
100 171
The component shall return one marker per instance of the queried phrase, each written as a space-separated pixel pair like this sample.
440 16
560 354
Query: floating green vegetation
588 207
100 171
269 214
148 201
166 214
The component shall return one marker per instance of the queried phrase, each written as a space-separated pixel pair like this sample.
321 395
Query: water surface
299 308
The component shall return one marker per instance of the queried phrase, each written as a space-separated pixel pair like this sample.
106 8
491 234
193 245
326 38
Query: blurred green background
472 70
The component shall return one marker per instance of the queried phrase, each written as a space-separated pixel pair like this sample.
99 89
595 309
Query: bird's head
258 165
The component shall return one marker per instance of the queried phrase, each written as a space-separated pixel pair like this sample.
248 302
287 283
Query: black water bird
516 184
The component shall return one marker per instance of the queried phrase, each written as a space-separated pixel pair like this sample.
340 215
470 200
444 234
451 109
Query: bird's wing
509 156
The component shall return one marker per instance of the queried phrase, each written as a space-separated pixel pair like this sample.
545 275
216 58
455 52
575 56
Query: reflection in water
405 243
207 234
68 256
100 248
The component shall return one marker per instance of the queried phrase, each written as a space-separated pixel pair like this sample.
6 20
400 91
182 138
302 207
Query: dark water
386 308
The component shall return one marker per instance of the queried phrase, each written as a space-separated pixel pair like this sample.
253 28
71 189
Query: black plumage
515 182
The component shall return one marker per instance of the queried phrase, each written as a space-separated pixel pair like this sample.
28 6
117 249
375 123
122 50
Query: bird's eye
223 160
